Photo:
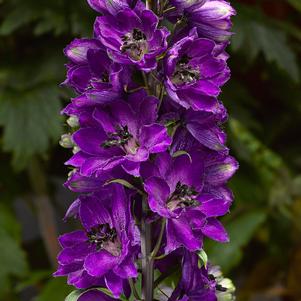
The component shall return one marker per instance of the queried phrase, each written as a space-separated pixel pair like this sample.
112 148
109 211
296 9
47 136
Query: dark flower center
118 138
134 44
184 73
104 237
183 197
105 77
123 138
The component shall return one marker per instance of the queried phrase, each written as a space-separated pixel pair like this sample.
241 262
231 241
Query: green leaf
55 289
181 153
254 34
12 257
31 121
251 149
240 230
73 296
16 19
121 182
203 257
275 47
9 223
296 4
32 279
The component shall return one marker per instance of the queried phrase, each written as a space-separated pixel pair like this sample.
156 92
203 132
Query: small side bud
72 121
66 141
75 149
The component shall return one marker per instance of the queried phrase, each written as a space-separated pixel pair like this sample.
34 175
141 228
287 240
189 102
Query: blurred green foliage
264 102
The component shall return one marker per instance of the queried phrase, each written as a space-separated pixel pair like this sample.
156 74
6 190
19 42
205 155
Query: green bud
75 149
72 121
66 141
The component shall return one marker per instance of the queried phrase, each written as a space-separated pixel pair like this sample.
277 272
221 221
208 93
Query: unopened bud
66 141
76 149
72 121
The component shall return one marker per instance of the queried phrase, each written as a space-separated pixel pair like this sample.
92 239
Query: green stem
147 262
133 289
159 241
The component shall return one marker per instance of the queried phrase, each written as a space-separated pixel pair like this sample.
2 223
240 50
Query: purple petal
212 206
155 138
158 194
187 172
222 171
99 263
77 50
184 234
72 238
76 253
93 212
98 5
212 138
215 230
94 295
82 280
114 284
90 140
132 168
201 47
126 269
77 159
72 210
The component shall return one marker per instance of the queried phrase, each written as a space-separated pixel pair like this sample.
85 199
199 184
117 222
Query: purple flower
194 73
103 252
94 295
183 192
90 71
126 135
146 115
210 17
114 6
79 183
201 126
132 38
195 284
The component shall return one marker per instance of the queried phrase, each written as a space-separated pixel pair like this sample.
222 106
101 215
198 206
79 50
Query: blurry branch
44 209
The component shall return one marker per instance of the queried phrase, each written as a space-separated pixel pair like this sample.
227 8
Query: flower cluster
149 159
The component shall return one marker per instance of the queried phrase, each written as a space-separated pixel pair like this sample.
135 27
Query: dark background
264 102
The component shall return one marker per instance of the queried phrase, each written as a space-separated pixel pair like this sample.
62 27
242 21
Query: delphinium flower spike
150 161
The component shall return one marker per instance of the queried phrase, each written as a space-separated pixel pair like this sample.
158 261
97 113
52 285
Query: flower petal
215 230
158 194
114 284
155 138
99 263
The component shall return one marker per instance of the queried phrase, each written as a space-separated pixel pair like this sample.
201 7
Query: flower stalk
150 161
147 261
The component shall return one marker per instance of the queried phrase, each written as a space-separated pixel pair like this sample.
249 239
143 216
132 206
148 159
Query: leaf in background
31 120
254 35
55 289
57 17
275 47
21 14
12 257
296 4
255 152
240 231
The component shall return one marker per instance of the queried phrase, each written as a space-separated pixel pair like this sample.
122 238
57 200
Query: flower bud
75 149
72 121
66 141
